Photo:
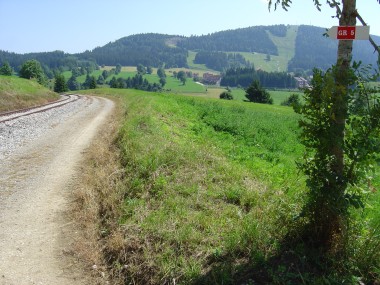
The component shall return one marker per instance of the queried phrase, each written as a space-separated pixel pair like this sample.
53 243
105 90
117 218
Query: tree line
243 77
51 62
220 60
146 49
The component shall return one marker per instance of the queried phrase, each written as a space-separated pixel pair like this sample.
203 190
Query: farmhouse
301 82
212 79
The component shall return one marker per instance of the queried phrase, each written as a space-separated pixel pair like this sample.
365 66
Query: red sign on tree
346 33
349 32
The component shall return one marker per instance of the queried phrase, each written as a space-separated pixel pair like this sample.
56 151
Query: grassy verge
17 93
206 192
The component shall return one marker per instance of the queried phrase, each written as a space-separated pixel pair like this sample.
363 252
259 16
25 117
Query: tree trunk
337 217
348 18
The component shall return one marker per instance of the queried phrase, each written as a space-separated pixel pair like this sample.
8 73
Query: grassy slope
17 93
211 189
278 95
286 50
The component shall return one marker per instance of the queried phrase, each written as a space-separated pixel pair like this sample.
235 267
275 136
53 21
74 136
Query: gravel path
38 157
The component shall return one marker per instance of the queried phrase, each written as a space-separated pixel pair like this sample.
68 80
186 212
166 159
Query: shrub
226 95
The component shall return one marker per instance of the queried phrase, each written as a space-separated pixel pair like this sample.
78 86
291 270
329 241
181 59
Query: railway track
66 99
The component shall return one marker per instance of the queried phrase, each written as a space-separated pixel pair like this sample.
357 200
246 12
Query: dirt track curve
35 179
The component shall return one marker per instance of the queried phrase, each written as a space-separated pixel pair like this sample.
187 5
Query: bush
226 95
292 101
256 93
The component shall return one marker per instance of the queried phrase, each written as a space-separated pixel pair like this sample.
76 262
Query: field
208 191
191 88
18 93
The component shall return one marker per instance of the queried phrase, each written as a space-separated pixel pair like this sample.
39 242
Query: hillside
252 39
312 49
270 48
17 93
147 49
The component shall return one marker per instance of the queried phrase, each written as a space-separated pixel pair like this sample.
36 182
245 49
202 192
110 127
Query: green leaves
360 145
32 69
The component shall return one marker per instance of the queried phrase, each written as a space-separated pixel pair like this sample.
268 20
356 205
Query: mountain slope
270 48
252 39
146 49
312 49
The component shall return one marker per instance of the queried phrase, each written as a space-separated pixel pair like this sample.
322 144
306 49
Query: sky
74 26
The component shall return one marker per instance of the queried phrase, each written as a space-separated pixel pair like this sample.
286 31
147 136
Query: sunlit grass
18 93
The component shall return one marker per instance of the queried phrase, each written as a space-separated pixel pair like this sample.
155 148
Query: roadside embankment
18 93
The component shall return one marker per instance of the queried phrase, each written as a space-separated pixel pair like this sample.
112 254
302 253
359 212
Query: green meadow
210 194
191 88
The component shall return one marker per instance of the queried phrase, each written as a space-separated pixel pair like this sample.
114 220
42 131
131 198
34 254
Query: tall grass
208 192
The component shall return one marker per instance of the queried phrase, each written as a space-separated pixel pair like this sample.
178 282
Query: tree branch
377 48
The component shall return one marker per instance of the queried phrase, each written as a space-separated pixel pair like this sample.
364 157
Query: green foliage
90 82
217 60
332 194
117 69
32 69
234 77
100 80
141 69
162 81
226 95
181 75
161 72
105 74
147 49
6 69
292 101
255 93
93 83
73 84
60 85
136 82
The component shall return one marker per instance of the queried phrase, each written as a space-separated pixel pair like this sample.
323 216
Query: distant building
301 82
212 79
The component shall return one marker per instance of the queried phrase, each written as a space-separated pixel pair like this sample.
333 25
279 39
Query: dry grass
96 197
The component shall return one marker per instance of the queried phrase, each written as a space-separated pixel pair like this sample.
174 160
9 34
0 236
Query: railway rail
12 115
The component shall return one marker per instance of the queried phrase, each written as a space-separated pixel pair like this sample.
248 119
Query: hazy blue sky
75 26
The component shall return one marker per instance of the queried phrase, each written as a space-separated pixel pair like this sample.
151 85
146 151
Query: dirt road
35 180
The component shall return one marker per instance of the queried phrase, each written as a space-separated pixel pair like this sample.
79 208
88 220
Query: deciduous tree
32 69
6 69
141 69
332 162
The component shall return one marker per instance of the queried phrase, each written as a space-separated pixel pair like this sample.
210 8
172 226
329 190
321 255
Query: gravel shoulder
39 155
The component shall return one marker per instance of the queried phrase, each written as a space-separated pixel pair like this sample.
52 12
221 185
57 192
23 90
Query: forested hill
146 49
252 39
314 50
310 49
